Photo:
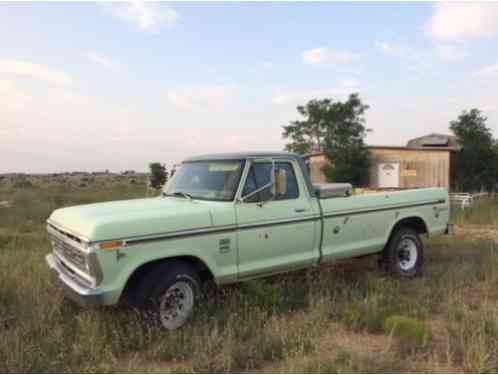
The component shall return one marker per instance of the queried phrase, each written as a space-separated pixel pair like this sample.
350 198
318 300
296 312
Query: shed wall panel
431 167
418 168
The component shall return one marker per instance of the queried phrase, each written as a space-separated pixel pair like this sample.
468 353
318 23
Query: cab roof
244 155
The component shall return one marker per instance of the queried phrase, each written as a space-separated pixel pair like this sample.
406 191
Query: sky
94 86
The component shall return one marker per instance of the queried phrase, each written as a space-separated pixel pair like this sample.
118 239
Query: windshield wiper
181 194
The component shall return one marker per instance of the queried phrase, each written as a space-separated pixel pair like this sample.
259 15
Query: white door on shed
389 175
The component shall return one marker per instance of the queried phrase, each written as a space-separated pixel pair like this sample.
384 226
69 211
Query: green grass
330 320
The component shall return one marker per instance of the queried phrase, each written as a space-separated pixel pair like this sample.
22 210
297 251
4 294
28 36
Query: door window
260 175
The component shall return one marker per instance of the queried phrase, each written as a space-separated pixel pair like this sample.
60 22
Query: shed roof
435 140
390 147
428 148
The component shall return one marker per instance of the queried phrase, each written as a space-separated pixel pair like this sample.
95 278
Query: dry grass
327 320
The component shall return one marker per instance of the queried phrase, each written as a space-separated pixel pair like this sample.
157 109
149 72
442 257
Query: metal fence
466 200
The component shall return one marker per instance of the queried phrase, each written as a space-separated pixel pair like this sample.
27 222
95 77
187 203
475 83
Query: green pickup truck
228 218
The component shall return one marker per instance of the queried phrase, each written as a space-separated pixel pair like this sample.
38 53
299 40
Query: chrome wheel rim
407 254
176 305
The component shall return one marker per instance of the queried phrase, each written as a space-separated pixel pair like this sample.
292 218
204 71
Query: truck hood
131 218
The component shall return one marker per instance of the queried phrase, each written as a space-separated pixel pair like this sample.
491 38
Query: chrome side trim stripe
330 214
278 222
213 230
234 227
180 234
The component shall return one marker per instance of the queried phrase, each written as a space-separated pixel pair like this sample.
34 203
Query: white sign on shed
388 175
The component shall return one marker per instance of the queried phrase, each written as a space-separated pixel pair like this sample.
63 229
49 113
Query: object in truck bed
335 190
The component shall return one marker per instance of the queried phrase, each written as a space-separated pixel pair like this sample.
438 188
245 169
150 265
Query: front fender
119 265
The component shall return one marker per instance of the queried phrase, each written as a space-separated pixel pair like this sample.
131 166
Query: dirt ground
478 232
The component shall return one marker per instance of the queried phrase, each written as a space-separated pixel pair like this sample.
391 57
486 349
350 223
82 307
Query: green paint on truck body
238 240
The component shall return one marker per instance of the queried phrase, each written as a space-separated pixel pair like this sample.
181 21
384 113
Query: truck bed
361 223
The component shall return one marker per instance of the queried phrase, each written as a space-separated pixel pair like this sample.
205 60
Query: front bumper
82 295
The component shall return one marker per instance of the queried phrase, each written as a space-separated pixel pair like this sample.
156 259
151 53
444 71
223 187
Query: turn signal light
111 244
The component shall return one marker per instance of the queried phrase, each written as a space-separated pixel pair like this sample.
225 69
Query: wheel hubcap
407 254
176 305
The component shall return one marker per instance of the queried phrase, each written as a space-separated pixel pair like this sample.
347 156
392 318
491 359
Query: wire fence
466 200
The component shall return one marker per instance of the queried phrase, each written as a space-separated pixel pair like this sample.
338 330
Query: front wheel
404 254
168 294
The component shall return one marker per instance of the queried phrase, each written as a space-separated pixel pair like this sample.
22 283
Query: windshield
210 180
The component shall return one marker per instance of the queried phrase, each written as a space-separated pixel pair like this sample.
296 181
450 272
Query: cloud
414 61
340 91
101 60
13 97
328 56
490 71
145 16
35 71
392 50
449 53
267 65
211 97
457 21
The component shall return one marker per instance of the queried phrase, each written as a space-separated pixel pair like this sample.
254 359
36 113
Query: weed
410 334
483 211
473 332
262 293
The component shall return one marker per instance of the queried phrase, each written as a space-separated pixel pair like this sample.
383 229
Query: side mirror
279 178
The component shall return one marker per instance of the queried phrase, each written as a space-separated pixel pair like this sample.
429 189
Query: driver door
274 233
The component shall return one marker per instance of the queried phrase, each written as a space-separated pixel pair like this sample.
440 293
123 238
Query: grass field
343 318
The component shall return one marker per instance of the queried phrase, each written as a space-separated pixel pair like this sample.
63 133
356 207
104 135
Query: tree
158 175
307 135
477 161
336 128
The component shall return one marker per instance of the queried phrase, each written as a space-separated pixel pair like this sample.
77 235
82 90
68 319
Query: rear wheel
167 295
404 254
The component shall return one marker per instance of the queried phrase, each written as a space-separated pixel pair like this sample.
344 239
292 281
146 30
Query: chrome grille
71 274
68 252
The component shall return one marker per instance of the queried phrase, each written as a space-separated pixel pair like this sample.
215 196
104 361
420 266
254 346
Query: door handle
299 210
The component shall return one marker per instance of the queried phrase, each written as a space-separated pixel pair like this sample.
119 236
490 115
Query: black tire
164 291
404 254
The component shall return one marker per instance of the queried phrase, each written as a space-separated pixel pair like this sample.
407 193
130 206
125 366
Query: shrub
410 333
369 314
22 182
261 293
